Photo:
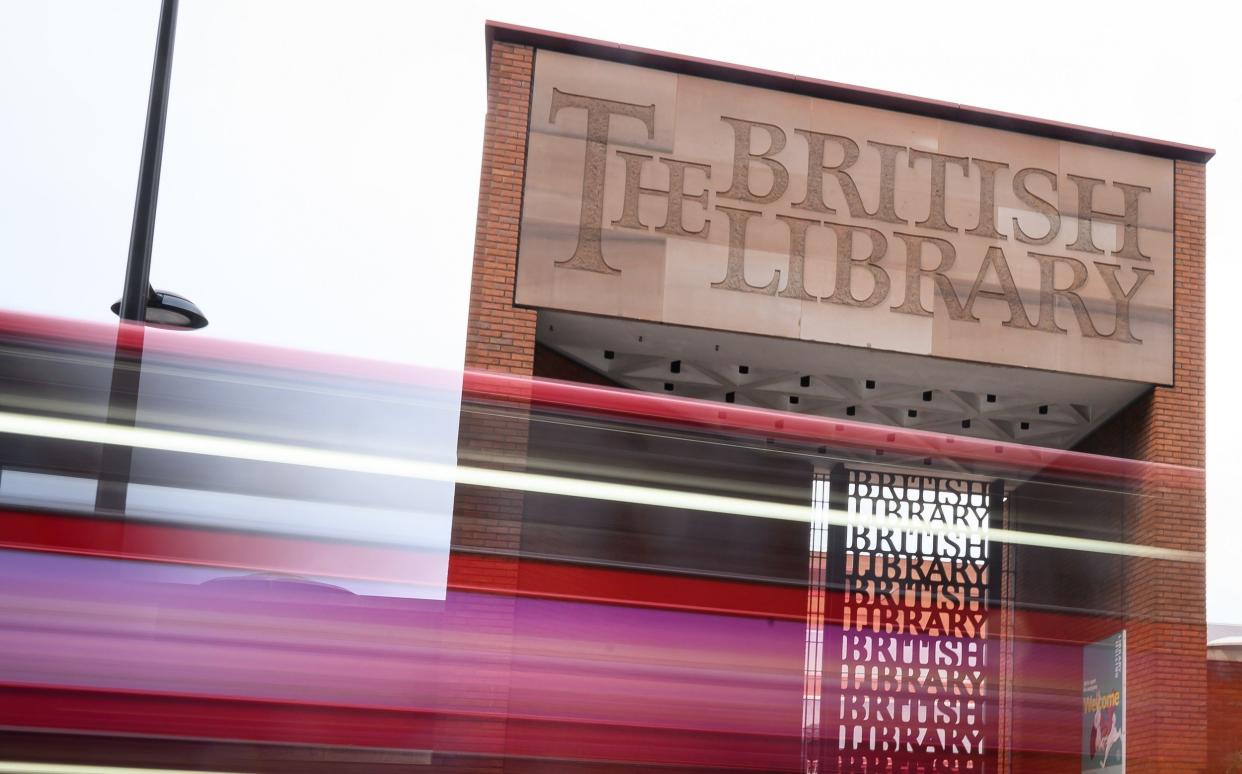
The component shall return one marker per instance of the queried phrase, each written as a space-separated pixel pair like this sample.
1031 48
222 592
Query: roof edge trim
841 92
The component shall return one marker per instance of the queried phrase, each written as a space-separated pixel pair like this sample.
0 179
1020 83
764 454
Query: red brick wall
1165 601
1224 707
499 337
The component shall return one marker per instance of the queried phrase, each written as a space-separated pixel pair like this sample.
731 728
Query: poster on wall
1103 705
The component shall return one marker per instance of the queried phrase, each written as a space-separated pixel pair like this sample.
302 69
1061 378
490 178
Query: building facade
696 229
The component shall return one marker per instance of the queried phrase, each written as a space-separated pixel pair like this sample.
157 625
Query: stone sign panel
655 196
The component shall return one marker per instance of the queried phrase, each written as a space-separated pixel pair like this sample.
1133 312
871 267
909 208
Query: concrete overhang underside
994 402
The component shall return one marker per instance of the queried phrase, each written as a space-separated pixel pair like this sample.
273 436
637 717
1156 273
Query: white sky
329 150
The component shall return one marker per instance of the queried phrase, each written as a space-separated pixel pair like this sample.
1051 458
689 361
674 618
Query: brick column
500 337
1165 601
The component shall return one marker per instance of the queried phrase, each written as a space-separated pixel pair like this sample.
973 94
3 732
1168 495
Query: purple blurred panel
68 621
657 668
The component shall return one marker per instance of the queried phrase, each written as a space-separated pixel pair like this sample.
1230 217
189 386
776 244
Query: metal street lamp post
140 304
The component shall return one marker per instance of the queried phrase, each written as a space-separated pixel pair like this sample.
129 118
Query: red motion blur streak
550 580
509 389
194 717
536 582
555 731
61 534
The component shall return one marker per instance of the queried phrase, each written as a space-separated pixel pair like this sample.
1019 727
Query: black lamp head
169 310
